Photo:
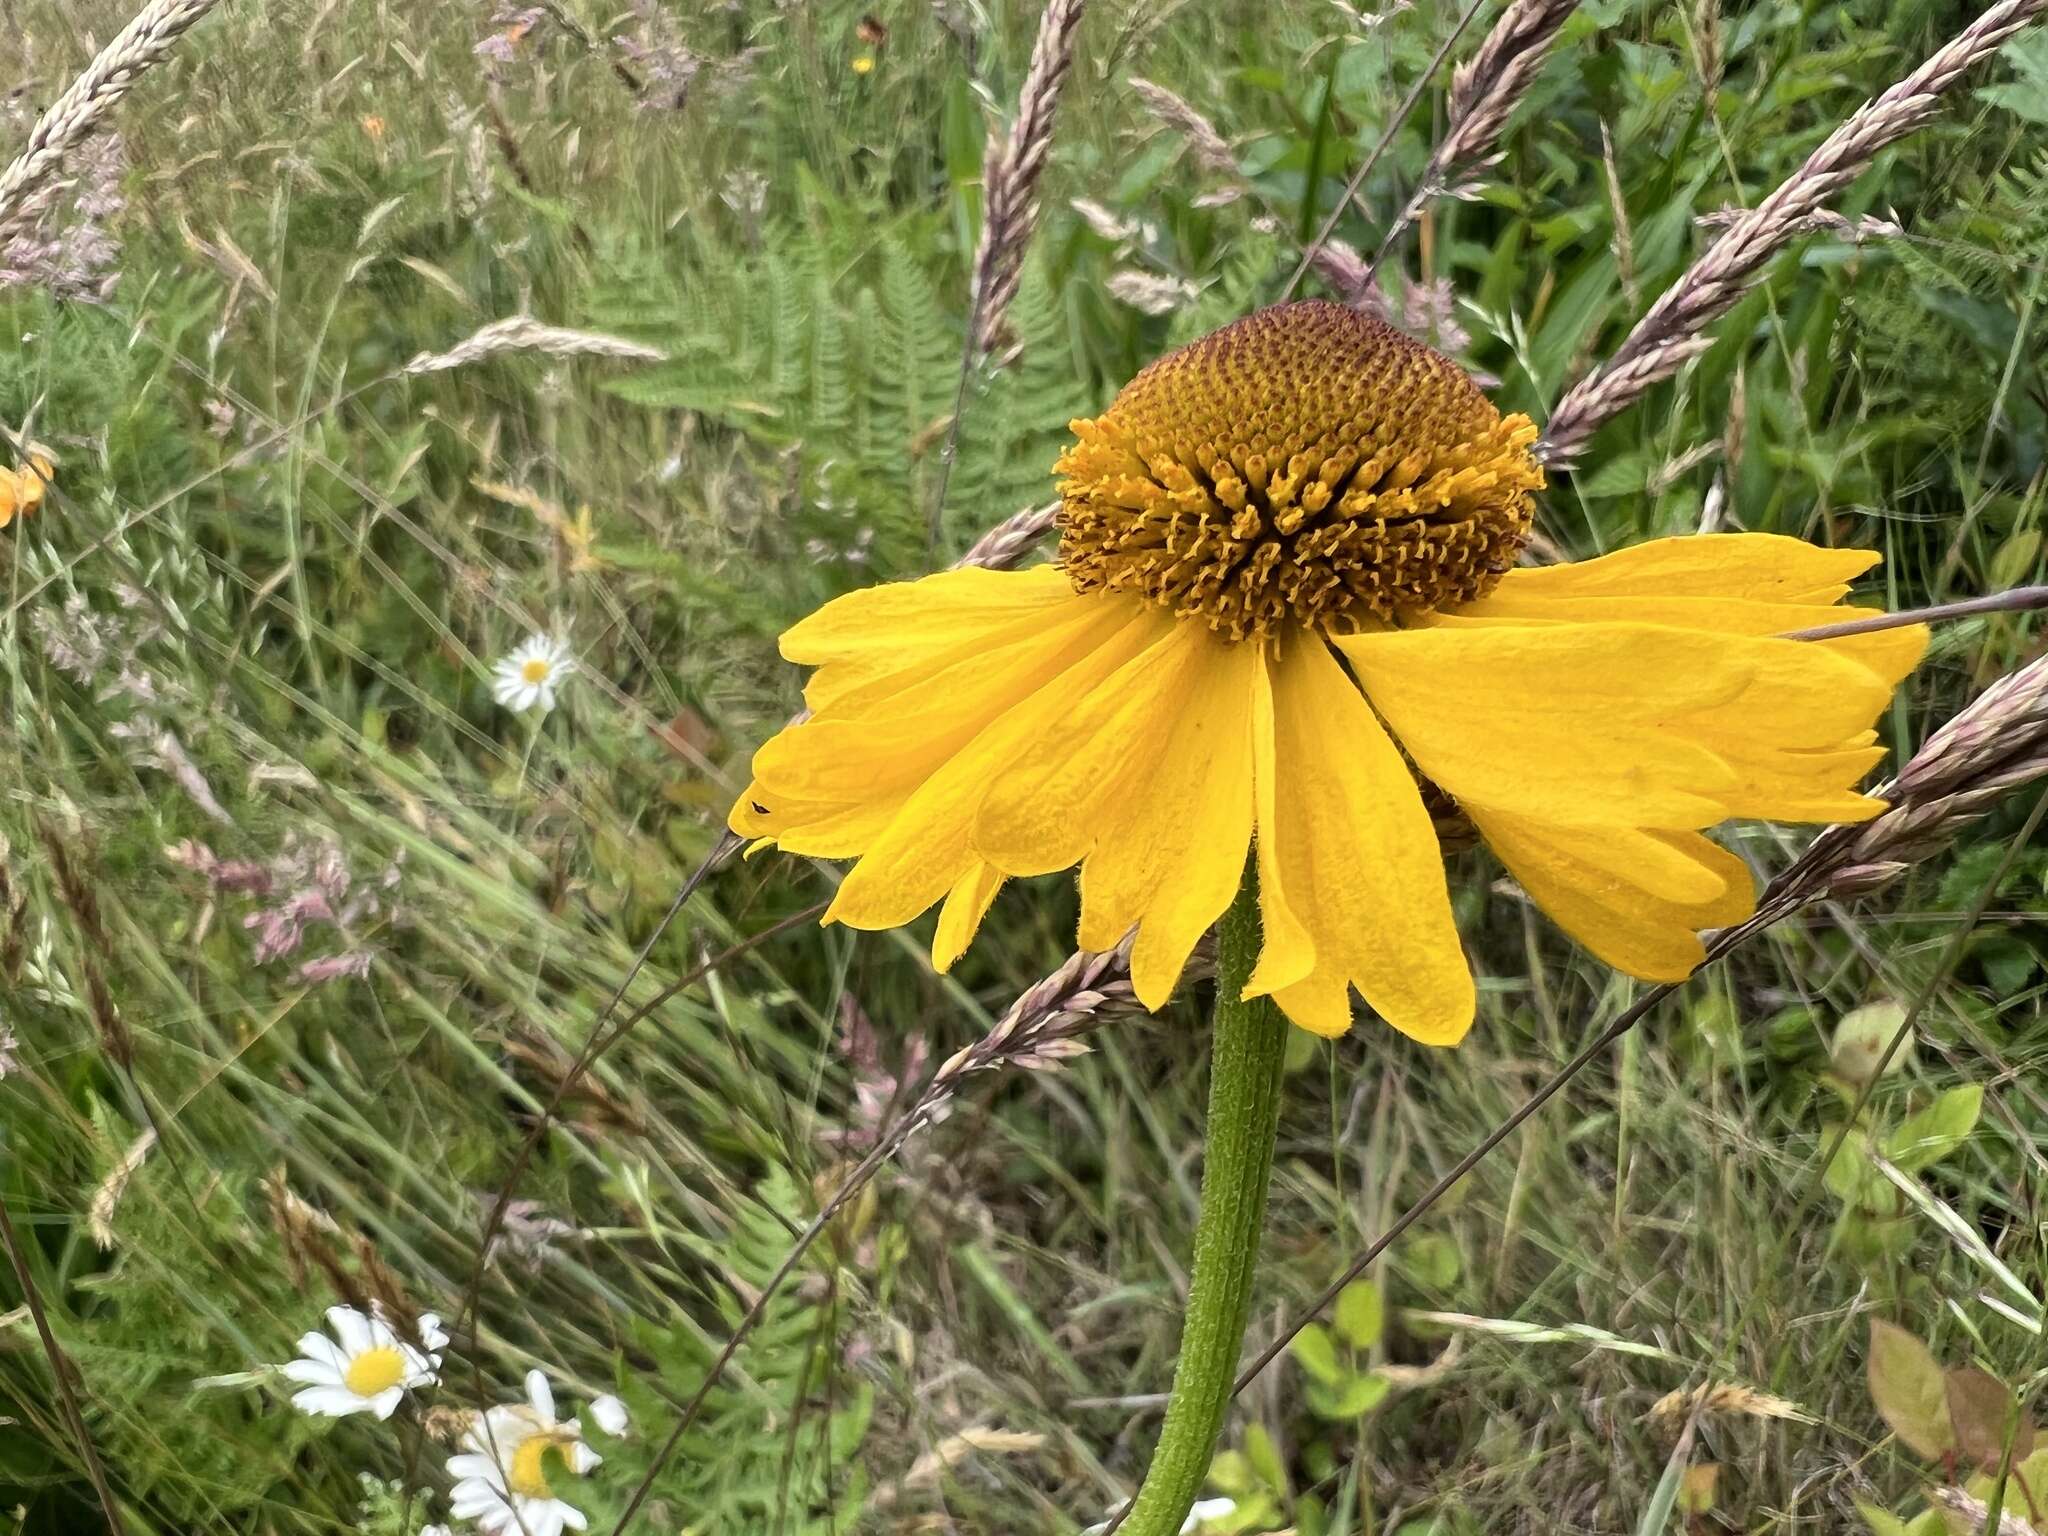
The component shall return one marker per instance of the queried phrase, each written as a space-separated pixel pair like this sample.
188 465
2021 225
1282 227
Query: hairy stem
1244 1120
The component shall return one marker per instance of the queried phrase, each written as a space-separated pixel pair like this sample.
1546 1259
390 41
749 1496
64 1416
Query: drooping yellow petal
1890 653
1639 725
1759 567
897 744
820 829
1170 858
966 904
1626 925
1563 723
1348 855
890 630
925 849
1145 780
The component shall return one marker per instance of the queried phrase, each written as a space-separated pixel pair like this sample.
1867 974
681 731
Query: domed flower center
535 669
374 1370
1306 466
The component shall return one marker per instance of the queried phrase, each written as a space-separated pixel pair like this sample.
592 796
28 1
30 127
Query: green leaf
1851 1178
1265 1458
1907 1387
1350 1399
1316 1353
1360 1316
1881 1522
1929 1136
1432 1260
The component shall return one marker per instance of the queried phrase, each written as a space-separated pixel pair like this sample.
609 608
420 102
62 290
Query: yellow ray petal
1814 784
1762 567
1169 858
1348 851
1890 653
1617 919
925 850
897 745
821 829
1564 723
1287 953
862 640
966 904
1043 814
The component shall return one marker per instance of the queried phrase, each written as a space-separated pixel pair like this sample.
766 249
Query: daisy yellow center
536 670
375 1370
527 1476
1306 466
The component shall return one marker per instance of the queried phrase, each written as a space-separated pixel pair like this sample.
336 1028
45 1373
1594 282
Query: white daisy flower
501 1477
609 1414
531 675
366 1367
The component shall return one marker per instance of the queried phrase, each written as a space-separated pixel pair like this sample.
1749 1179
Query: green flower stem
1244 1121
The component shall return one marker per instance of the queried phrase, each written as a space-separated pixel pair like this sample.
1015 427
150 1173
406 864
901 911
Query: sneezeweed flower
530 677
502 1474
366 1367
1285 612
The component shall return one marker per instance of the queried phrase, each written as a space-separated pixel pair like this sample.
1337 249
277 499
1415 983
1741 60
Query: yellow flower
1285 602
21 490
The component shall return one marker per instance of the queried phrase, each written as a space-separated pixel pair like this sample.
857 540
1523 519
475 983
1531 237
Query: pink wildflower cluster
304 890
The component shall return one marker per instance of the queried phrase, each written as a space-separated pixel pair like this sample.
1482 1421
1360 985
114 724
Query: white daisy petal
609 1414
540 1394
385 1403
327 1402
314 1373
581 1458
317 1346
351 1328
432 1335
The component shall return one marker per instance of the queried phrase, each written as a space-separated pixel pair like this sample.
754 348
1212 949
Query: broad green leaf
1881 1522
1907 1387
1315 1352
1349 1399
1929 1136
1360 1315
1265 1458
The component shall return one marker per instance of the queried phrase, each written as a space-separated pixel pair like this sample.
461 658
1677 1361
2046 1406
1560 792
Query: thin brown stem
61 1373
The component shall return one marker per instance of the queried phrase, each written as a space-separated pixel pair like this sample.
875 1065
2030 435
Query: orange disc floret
1308 465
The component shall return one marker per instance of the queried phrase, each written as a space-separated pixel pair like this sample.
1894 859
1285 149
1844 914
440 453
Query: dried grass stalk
1976 1514
99 1218
145 41
1006 545
1210 149
1486 88
1672 333
1997 744
1012 168
523 334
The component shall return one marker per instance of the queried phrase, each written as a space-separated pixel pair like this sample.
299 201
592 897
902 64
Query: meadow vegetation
300 930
